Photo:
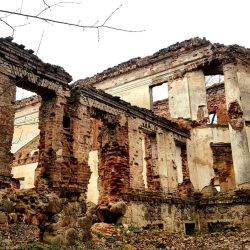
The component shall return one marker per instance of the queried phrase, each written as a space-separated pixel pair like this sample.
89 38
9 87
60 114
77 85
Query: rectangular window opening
189 228
159 92
212 118
213 79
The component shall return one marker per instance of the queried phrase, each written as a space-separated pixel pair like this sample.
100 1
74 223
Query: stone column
51 162
7 115
238 113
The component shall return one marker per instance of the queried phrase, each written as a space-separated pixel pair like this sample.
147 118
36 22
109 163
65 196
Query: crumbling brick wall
75 120
153 179
52 161
216 100
56 206
7 112
161 108
114 158
223 166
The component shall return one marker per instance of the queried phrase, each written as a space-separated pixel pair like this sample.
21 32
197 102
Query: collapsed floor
182 166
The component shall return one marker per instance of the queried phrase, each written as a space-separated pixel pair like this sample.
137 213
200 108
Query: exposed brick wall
153 179
20 68
184 162
7 113
95 130
186 187
235 114
161 108
73 121
216 102
114 162
80 144
51 163
223 166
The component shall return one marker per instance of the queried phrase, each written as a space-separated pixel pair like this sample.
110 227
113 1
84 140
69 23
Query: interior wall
179 101
200 157
139 96
166 161
25 126
197 93
27 172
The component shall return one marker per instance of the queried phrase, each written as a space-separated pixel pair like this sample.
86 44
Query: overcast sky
165 21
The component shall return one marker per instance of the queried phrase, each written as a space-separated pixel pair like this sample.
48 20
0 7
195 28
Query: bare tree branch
103 26
21 8
98 35
40 42
49 7
21 25
45 3
112 13
12 28
10 14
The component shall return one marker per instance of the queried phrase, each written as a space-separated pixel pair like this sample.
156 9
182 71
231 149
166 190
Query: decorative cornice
219 52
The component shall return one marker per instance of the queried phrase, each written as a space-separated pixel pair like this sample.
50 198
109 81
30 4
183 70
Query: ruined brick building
181 163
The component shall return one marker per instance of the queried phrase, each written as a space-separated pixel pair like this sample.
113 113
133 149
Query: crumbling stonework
161 108
156 168
53 219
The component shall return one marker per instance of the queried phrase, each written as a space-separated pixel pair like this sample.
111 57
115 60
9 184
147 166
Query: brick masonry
73 120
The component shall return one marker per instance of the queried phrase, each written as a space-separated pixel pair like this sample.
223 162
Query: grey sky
165 21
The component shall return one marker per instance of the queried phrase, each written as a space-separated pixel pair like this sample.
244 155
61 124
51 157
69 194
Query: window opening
212 118
159 92
189 228
213 79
